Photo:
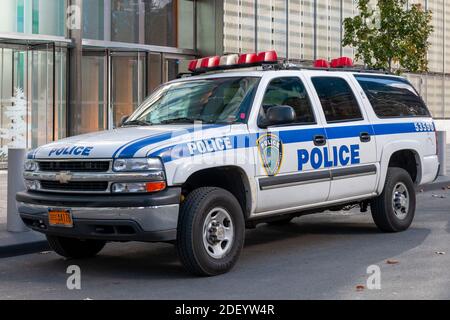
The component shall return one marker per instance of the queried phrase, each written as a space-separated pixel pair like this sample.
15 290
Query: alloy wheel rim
218 233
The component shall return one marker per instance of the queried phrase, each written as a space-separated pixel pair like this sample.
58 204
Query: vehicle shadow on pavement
296 241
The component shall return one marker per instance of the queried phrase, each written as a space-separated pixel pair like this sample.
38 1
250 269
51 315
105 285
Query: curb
17 244
23 249
442 183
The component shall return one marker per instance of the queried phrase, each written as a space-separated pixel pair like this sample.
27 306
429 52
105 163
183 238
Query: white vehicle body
305 177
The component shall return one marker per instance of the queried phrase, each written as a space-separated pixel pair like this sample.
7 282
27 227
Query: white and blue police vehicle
242 141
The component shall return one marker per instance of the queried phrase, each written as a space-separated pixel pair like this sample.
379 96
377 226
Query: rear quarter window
392 97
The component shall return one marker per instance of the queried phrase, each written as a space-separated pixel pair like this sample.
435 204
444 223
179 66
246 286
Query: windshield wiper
184 120
136 123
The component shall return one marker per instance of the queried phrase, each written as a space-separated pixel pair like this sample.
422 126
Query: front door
287 178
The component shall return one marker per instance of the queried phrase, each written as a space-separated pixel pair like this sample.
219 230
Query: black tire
190 245
382 207
281 222
75 248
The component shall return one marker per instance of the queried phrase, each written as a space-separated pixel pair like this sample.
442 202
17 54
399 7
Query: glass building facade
129 47
305 30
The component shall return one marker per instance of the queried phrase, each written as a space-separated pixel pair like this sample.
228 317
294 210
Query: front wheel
211 231
394 209
75 248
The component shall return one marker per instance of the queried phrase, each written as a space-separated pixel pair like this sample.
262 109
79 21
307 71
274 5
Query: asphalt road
316 257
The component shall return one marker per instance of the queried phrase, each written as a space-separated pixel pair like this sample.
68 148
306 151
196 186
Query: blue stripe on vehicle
178 151
130 149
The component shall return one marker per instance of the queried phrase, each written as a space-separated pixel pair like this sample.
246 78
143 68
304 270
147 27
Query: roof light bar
233 61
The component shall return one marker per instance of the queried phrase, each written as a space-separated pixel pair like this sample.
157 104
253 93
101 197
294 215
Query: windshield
218 100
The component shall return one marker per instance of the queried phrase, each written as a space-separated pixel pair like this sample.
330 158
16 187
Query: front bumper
149 218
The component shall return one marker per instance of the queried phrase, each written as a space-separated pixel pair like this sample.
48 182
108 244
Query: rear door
351 142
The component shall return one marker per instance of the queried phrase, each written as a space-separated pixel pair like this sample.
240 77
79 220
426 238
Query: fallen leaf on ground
440 252
360 287
392 262
441 196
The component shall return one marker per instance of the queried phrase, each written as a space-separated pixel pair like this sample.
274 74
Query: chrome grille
74 166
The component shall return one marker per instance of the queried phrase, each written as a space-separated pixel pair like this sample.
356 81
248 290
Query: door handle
320 140
364 137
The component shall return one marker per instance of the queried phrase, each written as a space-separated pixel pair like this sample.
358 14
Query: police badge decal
270 150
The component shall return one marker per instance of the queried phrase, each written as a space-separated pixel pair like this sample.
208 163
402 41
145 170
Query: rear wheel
394 209
75 248
210 231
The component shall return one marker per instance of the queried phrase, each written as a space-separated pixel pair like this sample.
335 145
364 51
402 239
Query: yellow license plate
60 218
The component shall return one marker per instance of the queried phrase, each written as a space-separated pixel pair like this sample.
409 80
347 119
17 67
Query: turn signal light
155 186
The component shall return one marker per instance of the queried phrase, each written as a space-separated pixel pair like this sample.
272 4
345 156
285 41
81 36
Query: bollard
442 145
16 159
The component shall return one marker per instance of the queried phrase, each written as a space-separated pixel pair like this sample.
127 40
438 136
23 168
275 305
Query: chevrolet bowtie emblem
64 177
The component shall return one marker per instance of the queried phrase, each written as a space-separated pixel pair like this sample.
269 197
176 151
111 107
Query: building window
94 19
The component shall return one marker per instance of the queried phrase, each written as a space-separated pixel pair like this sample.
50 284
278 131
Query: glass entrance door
42 94
128 84
47 92
33 83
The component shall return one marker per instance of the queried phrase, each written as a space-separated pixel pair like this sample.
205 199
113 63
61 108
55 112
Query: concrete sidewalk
12 244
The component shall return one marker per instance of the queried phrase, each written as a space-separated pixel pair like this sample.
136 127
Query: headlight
137 164
138 187
32 184
30 165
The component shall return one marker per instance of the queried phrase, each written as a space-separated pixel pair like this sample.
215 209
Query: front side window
218 100
392 97
289 91
337 99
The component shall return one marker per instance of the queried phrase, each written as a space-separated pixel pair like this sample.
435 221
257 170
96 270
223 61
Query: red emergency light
321 63
341 62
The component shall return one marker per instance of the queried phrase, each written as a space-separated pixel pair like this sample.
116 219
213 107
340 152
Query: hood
118 143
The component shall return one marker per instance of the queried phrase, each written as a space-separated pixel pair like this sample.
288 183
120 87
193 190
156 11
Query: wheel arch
403 154
231 178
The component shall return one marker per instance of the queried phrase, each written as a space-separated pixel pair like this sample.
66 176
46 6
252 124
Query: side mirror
278 115
123 120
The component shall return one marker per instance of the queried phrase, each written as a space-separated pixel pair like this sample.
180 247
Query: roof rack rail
291 66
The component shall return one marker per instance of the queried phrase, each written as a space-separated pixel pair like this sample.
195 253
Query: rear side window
337 99
392 97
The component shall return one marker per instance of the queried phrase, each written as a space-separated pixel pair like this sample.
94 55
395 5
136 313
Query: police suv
209 155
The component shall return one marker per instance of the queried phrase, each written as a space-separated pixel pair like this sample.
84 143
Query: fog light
32 185
30 165
129 187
